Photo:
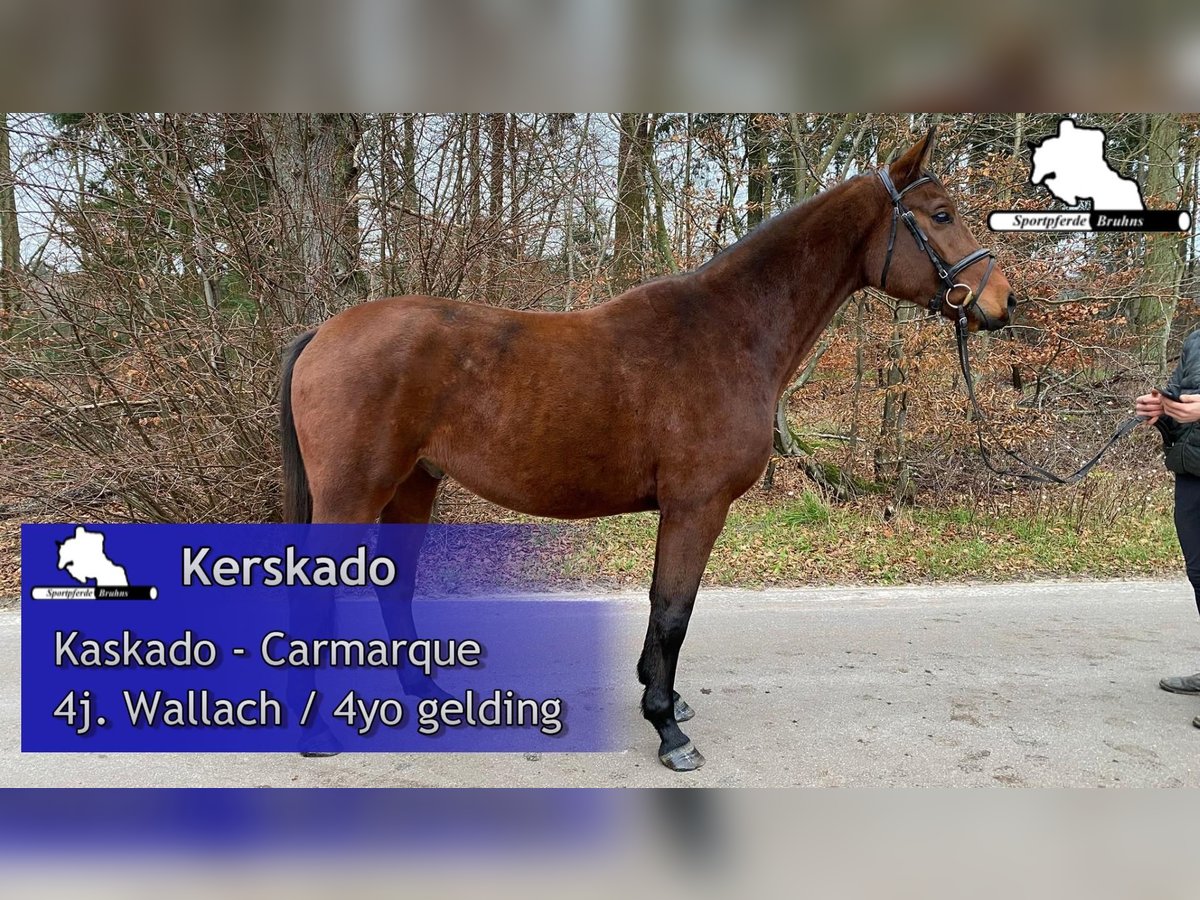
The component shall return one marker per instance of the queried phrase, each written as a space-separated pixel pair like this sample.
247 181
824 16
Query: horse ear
929 143
908 168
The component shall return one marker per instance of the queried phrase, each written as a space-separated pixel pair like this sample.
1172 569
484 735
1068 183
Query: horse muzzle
985 322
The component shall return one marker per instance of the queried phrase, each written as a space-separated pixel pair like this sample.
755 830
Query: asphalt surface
1044 684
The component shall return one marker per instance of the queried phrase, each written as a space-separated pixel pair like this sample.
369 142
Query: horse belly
561 501
550 479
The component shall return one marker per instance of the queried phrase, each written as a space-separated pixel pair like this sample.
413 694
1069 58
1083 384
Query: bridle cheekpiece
948 274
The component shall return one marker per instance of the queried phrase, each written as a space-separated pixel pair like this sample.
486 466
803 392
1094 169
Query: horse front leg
685 540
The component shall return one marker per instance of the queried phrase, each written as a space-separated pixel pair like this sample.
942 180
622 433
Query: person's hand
1149 406
1185 409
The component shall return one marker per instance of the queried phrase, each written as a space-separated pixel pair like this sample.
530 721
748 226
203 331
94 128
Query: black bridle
948 274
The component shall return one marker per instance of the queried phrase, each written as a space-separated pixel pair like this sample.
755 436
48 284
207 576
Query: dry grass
795 539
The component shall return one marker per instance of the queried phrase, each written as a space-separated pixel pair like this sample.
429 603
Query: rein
1037 474
948 275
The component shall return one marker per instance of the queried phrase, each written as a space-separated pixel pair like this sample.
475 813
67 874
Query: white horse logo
83 558
1072 166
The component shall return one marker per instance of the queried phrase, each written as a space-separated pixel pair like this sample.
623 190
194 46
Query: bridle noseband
947 273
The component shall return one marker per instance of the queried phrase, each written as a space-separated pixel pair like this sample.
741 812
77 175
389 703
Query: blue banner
312 638
249 822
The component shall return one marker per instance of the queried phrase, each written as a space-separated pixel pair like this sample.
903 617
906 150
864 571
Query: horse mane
768 227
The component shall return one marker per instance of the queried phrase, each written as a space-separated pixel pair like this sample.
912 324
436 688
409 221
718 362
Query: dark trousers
1187 524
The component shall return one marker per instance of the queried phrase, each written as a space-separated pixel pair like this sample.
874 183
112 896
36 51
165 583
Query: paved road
1023 684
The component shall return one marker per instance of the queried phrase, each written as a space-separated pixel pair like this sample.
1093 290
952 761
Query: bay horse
662 398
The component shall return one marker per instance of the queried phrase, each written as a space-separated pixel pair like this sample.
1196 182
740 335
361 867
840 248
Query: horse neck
782 283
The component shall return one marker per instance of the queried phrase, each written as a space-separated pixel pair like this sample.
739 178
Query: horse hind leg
360 505
412 506
339 497
685 540
412 503
360 485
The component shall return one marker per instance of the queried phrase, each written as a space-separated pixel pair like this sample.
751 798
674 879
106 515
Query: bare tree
10 234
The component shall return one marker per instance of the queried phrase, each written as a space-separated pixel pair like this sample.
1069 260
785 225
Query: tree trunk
316 177
498 128
799 166
1187 246
664 257
687 224
860 339
891 463
497 139
408 165
475 168
629 243
10 235
1155 309
758 189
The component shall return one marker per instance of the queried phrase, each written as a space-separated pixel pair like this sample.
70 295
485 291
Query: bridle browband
948 274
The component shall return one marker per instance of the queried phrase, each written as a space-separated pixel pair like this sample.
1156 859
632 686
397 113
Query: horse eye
942 218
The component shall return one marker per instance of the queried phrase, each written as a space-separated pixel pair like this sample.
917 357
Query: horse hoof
683 712
319 745
682 759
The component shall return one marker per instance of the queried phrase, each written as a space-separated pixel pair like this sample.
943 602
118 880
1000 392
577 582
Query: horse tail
297 500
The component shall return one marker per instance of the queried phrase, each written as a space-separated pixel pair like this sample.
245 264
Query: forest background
152 266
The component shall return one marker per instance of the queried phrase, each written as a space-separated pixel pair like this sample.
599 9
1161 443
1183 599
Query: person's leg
1187 526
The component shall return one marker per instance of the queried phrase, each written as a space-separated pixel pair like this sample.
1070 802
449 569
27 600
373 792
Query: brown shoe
1181 684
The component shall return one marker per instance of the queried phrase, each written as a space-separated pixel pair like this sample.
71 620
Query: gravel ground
1042 684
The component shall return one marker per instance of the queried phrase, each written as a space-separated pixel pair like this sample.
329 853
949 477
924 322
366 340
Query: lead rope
1037 474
